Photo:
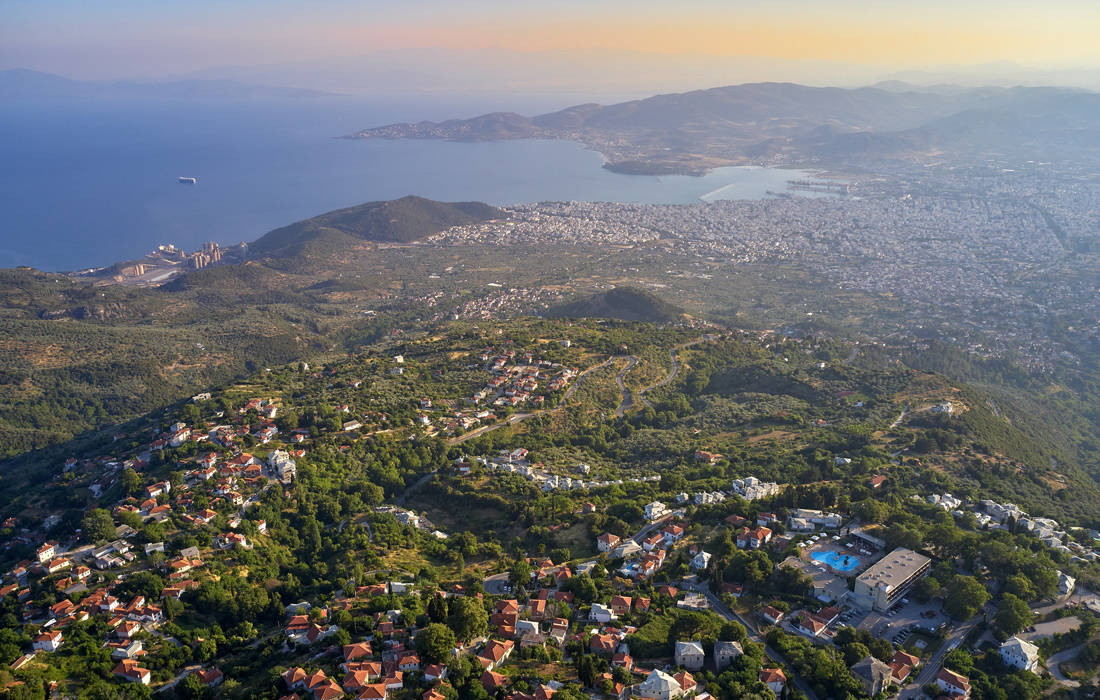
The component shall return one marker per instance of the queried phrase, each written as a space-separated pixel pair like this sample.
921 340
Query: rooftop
894 569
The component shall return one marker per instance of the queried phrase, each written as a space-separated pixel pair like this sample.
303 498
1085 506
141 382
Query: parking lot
902 620
497 584
1048 629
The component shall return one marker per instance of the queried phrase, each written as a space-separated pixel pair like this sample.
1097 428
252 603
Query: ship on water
189 181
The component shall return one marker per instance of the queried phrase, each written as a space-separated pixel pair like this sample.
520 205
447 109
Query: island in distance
776 123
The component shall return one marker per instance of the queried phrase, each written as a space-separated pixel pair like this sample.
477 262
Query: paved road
628 398
719 607
478 432
650 527
1082 596
672 373
1060 658
187 670
569 392
932 667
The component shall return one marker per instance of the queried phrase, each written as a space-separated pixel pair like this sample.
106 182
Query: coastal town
947 251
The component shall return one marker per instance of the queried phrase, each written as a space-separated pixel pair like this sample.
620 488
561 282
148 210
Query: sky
143 38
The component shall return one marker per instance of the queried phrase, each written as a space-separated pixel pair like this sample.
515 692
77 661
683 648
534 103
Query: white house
1066 584
46 552
284 466
953 683
658 686
48 641
606 542
524 627
700 561
655 510
1017 653
774 678
600 613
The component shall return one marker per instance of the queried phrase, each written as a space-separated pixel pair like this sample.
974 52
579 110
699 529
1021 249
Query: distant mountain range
29 84
692 132
607 71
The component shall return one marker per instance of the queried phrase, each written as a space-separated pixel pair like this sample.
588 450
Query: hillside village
706 586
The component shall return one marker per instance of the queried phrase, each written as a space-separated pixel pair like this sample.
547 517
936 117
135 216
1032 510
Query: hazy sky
125 38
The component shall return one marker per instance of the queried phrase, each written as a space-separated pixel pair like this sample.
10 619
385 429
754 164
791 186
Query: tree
131 482
964 598
521 572
926 589
435 643
854 652
145 583
694 625
468 618
98 526
191 688
588 669
437 609
901 536
1020 586
1013 614
732 632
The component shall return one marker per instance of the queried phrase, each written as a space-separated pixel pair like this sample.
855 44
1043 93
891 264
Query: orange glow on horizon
859 41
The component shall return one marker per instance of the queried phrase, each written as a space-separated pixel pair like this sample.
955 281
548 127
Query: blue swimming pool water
839 562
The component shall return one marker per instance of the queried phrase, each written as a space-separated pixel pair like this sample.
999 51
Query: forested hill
622 303
399 221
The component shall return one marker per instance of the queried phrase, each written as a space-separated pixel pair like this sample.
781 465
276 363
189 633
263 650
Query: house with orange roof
210 677
492 681
373 691
902 665
495 653
954 685
620 605
771 614
128 669
774 678
623 660
604 644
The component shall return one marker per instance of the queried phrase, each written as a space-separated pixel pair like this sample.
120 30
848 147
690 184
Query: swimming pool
836 560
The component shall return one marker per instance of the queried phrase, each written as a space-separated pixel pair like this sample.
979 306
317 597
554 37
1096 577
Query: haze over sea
85 183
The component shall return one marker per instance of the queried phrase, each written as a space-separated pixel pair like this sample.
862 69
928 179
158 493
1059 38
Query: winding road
929 669
1056 660
627 397
672 372
719 607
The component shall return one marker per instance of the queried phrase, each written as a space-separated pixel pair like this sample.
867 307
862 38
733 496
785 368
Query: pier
819 186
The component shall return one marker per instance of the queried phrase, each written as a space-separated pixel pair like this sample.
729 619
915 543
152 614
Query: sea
86 183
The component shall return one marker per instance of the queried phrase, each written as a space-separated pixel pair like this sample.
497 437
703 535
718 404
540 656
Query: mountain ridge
22 83
693 132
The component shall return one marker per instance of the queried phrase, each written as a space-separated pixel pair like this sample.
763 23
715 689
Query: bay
85 183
